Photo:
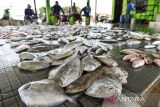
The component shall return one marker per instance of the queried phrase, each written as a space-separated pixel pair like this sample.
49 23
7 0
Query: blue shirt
86 10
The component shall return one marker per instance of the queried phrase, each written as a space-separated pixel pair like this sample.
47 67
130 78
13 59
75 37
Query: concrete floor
11 78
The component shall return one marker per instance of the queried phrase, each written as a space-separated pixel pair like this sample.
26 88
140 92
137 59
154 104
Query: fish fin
74 100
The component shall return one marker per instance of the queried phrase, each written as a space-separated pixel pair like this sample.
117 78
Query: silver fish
107 61
41 48
156 43
43 93
84 81
133 42
129 57
157 62
116 73
104 87
72 45
56 55
33 65
26 56
67 73
22 48
149 46
90 64
45 58
138 63
63 40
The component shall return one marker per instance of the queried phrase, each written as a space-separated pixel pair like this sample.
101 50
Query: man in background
56 9
29 13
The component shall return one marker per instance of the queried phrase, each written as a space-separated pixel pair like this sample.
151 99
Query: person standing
86 10
56 9
29 13
129 8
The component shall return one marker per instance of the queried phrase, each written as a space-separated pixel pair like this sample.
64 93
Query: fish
26 56
131 50
63 40
99 51
129 57
14 39
42 48
116 73
104 87
67 73
128 52
72 45
149 46
33 65
133 42
107 61
155 55
47 37
138 63
158 48
157 62
22 48
134 59
81 49
45 58
120 101
84 81
148 60
43 93
90 64
156 43
60 54
104 46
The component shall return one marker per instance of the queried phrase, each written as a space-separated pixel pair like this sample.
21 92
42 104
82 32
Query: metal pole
48 12
71 7
95 9
36 16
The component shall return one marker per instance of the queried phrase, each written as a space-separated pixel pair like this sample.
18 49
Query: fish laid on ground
72 45
33 65
138 63
157 62
120 101
84 81
45 58
148 60
81 49
67 73
107 61
22 48
90 64
43 93
56 55
157 56
149 46
116 73
104 46
156 43
128 52
133 42
134 59
26 56
129 57
63 40
99 51
104 87
132 51
41 48
158 48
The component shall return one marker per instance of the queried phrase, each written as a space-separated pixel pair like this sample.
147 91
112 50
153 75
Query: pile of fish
80 59
139 58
